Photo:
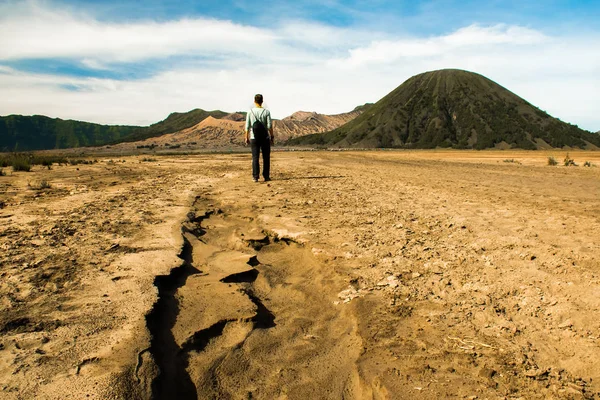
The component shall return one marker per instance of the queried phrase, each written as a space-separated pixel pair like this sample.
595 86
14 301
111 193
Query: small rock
536 373
573 391
566 324
415 275
317 251
113 246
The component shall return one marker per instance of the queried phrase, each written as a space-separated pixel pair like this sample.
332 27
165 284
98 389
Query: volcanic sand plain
351 275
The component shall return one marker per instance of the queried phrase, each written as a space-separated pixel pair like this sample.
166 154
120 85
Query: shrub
21 164
148 159
30 159
588 164
77 161
552 161
512 160
2 173
44 184
568 161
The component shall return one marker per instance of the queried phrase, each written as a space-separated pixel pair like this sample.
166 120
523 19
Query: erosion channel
248 314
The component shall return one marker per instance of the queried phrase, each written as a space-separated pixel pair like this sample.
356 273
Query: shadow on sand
289 178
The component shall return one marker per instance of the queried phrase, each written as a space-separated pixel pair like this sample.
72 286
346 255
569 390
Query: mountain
23 133
453 108
197 128
303 123
173 123
228 130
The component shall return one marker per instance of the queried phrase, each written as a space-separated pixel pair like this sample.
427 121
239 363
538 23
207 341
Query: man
259 134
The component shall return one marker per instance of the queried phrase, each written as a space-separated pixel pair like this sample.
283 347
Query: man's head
258 99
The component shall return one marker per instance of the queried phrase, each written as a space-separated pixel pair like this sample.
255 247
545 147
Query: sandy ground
352 275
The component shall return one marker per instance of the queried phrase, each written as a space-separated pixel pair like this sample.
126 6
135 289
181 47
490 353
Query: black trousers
258 146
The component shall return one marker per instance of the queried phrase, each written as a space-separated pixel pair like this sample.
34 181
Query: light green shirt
263 116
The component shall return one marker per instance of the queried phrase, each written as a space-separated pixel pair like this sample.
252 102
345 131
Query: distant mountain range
228 130
173 123
24 133
445 108
453 108
194 129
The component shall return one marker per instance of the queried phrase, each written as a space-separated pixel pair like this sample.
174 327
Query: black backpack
259 129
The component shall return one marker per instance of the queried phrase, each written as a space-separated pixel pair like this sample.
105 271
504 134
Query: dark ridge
288 241
253 261
173 380
242 277
264 318
194 220
257 245
452 108
201 339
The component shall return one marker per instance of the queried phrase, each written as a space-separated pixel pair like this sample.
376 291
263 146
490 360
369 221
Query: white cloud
33 31
468 38
297 66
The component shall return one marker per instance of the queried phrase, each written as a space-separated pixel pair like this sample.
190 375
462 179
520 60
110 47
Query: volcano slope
453 108
366 275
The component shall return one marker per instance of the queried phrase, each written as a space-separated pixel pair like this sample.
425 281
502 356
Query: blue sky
135 62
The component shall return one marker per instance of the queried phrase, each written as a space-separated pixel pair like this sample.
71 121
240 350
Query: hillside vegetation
453 108
25 133
21 133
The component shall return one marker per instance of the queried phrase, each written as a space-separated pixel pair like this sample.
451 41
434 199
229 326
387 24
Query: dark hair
258 99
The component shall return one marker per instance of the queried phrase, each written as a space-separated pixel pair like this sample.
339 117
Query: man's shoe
255 180
267 179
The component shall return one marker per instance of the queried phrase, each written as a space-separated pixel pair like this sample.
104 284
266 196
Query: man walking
259 134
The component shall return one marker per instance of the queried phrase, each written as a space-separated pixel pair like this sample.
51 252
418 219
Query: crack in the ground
264 318
242 277
202 338
173 380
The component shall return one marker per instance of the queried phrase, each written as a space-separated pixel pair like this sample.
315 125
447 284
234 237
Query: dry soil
351 275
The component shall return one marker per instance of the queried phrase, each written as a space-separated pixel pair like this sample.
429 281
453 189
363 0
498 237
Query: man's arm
270 127
247 129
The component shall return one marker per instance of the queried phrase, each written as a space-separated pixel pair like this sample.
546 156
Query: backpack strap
256 118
